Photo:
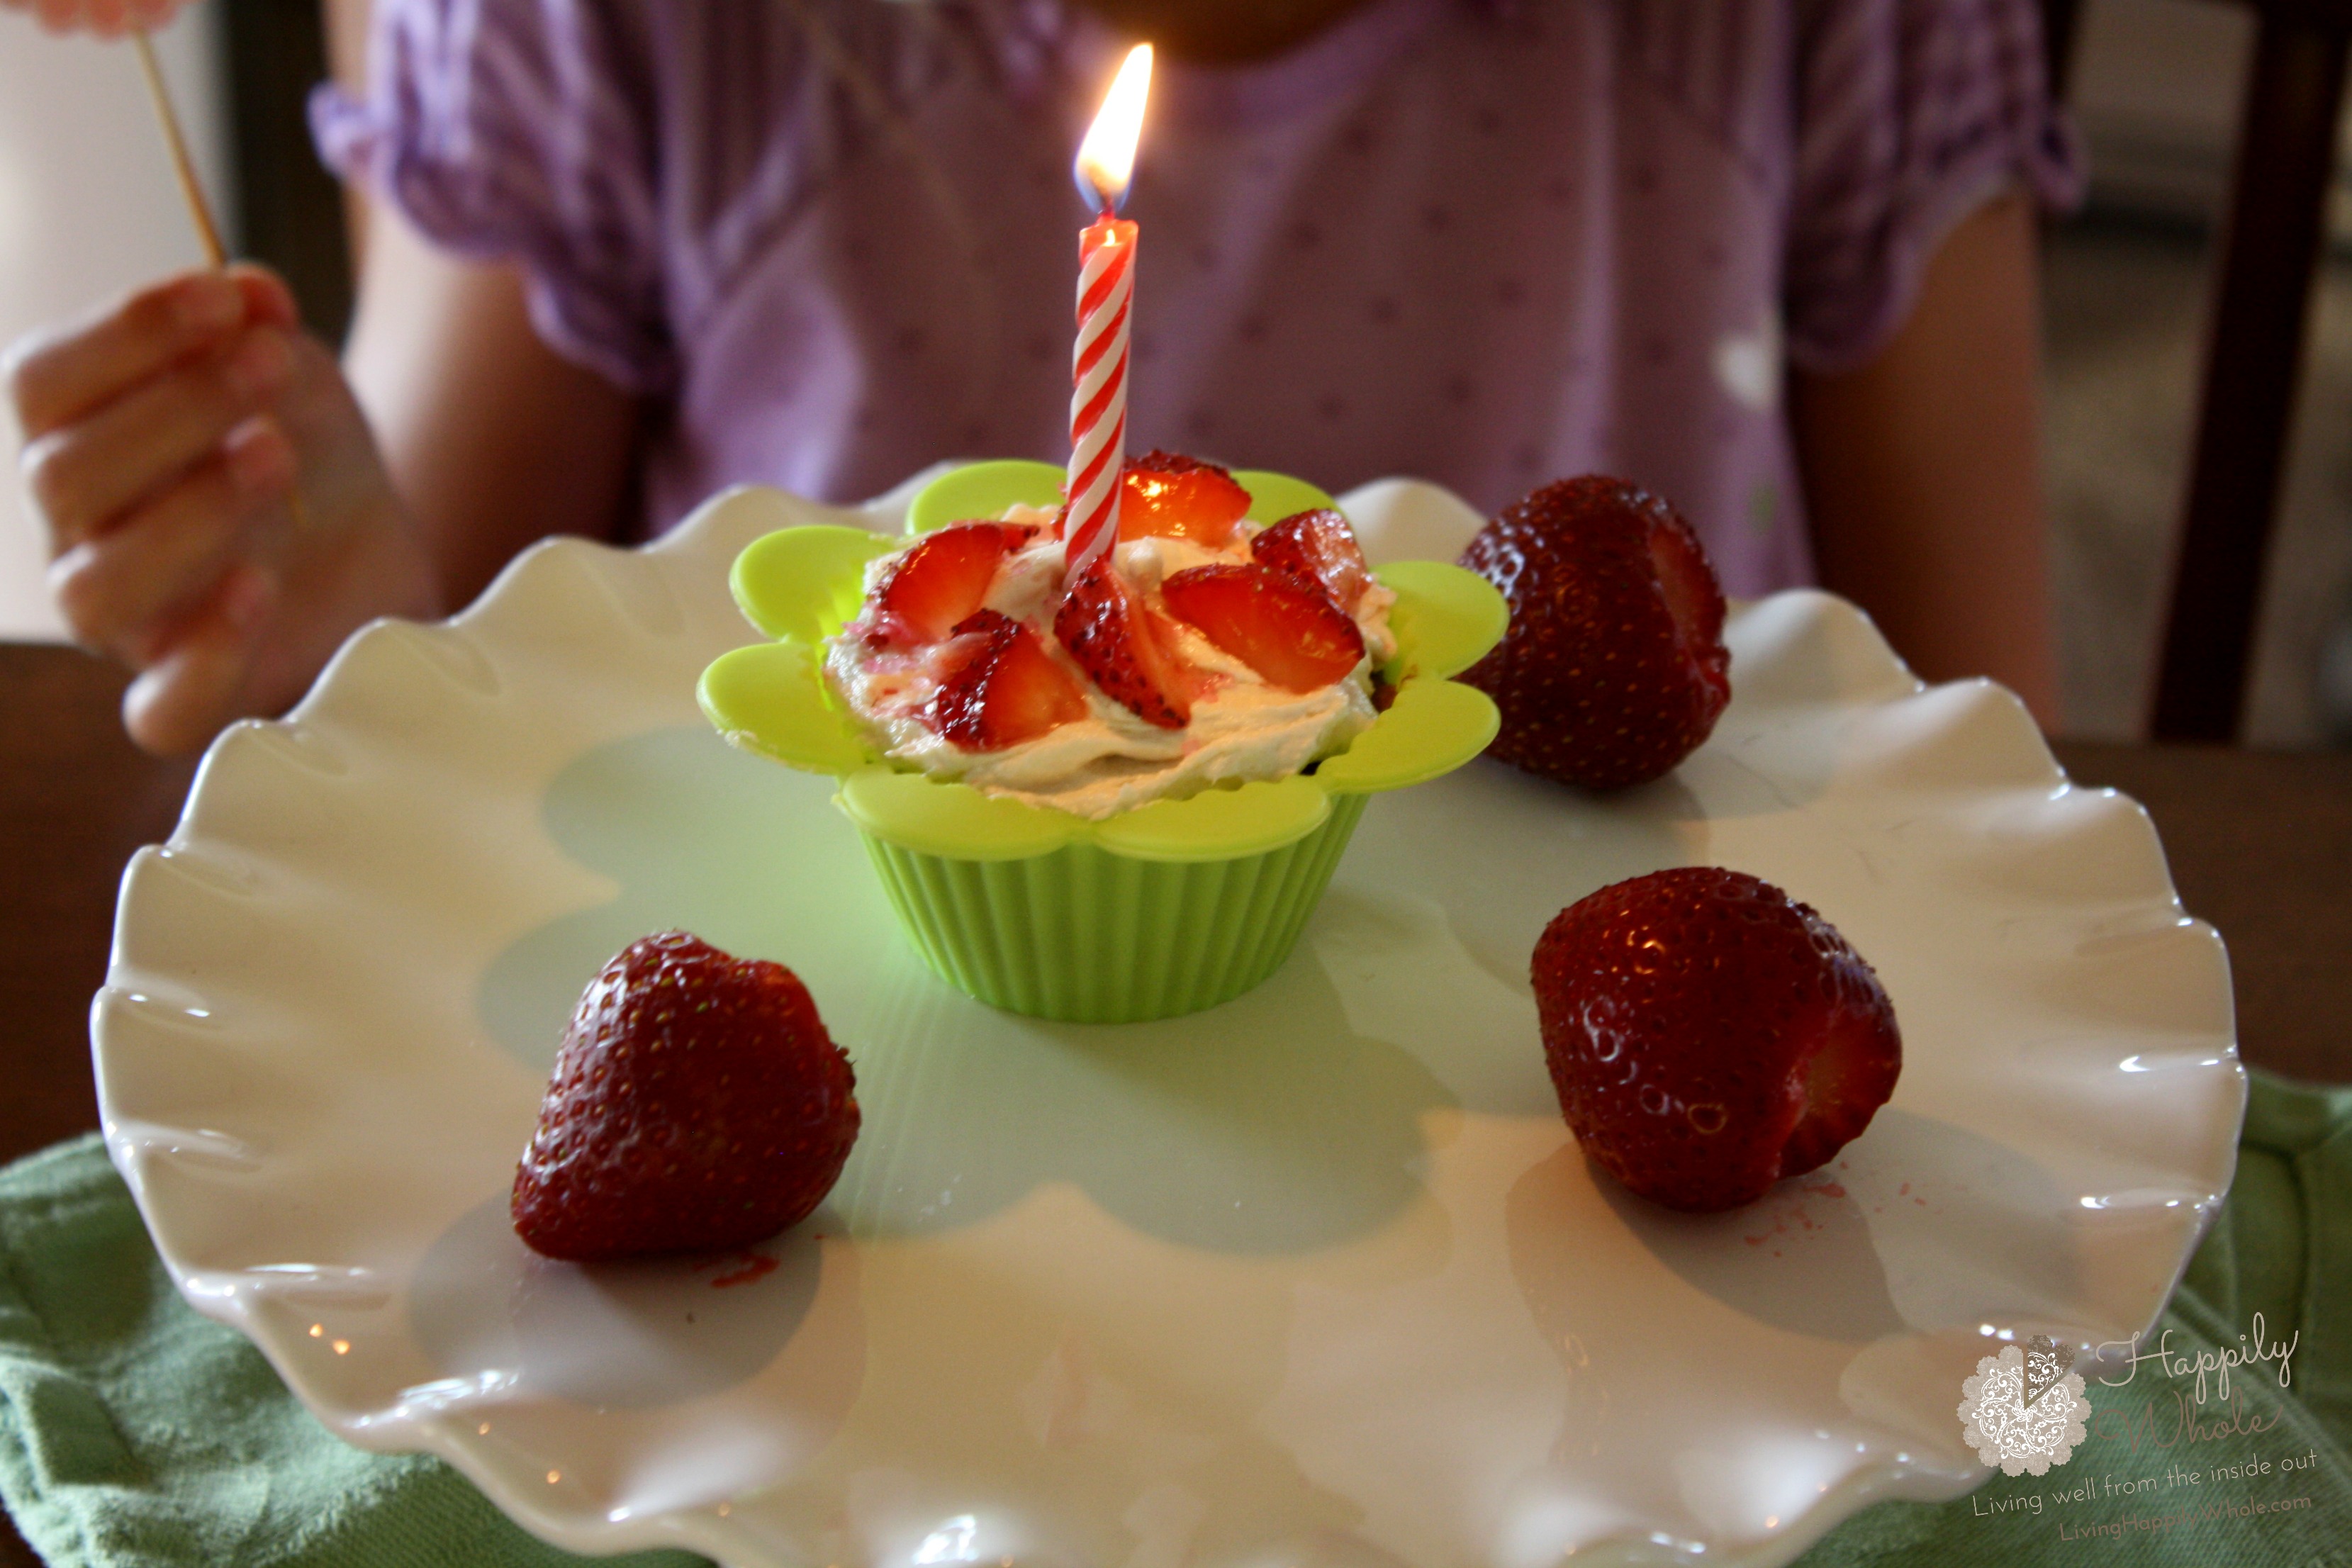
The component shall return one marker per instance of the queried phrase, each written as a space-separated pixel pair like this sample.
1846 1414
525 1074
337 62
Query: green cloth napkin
134 1434
2282 1247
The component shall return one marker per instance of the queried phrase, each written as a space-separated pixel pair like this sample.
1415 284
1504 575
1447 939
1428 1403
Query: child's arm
492 438
1923 469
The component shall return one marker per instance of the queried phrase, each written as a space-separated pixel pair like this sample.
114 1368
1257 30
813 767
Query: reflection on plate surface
1314 1276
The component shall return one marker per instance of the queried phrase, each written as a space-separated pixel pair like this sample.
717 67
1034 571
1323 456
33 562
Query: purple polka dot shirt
1483 243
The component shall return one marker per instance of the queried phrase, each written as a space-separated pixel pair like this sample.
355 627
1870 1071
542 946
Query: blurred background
2155 91
86 208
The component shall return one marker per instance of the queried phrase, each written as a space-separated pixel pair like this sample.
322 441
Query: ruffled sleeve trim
1912 115
507 141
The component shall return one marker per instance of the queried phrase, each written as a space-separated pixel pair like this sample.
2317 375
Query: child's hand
165 438
107 18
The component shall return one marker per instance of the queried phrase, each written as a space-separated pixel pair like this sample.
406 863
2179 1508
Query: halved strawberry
1283 628
1180 498
939 581
1003 687
1318 547
1117 641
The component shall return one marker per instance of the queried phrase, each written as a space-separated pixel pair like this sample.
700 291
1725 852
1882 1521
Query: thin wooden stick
200 211
192 191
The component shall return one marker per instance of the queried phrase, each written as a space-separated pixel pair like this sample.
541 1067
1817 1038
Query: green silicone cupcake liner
1168 909
1087 936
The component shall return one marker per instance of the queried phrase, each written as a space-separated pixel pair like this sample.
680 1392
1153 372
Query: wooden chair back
2253 354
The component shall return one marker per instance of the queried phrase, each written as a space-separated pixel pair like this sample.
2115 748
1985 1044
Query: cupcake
1116 796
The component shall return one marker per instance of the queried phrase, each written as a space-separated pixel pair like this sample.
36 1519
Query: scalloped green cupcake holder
1166 910
1087 936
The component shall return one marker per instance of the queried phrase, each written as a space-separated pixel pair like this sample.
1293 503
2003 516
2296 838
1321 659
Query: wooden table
2261 844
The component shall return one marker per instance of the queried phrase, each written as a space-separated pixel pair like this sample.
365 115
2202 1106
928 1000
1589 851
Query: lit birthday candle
1106 291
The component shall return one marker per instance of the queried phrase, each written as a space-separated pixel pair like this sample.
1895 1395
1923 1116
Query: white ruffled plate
1314 1276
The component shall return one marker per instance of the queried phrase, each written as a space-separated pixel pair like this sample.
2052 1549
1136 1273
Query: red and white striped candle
1105 294
1098 390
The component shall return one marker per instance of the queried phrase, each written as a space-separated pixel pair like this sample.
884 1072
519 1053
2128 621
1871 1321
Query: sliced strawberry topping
939 581
1180 498
1002 686
1316 547
1126 648
1283 628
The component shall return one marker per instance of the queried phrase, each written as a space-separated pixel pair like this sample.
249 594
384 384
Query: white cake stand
1315 1276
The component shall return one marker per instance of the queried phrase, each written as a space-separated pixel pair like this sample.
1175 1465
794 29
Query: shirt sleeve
520 130
1910 115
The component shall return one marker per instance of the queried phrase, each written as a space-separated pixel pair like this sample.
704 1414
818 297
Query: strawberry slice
1318 547
939 581
1002 686
1127 650
1180 498
1283 628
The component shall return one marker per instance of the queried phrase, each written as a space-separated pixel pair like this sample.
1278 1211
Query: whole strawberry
697 1104
1614 670
1708 1036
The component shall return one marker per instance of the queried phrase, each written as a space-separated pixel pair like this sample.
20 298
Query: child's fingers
179 702
107 18
56 377
58 16
122 592
266 297
84 476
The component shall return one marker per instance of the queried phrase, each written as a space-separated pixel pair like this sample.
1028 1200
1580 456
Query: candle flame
1106 157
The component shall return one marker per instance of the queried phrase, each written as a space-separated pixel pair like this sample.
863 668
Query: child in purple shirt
627 253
